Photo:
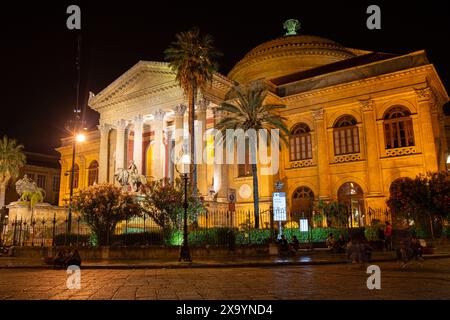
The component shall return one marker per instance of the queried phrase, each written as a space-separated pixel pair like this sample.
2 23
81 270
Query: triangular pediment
145 75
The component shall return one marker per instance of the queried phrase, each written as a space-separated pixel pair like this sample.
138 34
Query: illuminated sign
279 206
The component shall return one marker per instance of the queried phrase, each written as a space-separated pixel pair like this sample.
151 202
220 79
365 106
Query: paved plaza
429 281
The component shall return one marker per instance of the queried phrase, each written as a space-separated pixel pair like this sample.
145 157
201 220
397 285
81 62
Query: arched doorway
302 203
351 195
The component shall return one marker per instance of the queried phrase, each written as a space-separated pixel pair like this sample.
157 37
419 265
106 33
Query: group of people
286 247
410 250
336 246
65 258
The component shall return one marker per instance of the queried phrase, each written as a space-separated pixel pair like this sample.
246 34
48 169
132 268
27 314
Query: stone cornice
357 83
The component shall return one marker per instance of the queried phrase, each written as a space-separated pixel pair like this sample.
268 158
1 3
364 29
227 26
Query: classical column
121 127
158 145
202 178
178 134
425 101
372 154
220 165
137 146
103 156
323 162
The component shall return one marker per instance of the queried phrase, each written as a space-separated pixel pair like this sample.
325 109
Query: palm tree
193 57
12 159
246 112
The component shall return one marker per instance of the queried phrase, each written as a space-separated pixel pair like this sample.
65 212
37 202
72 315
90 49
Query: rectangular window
41 181
55 184
346 140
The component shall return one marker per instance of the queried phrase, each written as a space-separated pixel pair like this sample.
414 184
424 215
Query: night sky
38 51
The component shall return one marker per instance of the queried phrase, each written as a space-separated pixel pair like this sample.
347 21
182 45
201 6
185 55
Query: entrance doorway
351 195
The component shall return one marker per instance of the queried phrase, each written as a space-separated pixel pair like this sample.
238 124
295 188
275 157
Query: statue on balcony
130 177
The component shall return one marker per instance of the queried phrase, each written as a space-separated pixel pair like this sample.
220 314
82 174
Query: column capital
424 94
138 120
179 110
318 115
367 105
202 105
159 115
104 128
121 124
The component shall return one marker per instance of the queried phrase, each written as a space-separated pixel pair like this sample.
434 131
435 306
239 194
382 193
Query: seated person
330 242
73 259
416 249
295 245
340 245
284 245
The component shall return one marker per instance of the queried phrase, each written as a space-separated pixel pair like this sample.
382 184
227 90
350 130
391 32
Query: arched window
93 173
76 176
300 142
346 136
398 129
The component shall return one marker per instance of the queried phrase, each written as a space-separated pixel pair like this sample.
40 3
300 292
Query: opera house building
359 120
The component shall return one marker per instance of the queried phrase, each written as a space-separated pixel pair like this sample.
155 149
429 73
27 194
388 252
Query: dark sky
38 51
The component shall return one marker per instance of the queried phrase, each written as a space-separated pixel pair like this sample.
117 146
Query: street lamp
78 137
185 253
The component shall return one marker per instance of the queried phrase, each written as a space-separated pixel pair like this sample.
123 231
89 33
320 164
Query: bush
213 236
317 234
253 236
141 238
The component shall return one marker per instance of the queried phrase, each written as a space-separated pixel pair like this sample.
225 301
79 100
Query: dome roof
286 55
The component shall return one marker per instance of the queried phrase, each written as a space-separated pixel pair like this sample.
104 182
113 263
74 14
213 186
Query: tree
163 203
334 212
423 200
193 57
12 159
102 206
249 112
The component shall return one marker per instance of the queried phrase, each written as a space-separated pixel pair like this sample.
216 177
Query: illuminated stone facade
359 121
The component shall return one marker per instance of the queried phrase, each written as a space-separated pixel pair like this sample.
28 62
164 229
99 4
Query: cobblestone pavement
430 281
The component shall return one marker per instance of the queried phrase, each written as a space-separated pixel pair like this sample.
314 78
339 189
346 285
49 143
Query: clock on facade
245 191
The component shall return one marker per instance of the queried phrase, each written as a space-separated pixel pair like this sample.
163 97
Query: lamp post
185 253
77 137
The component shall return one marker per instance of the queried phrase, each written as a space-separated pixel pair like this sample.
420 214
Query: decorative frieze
400 152
347 158
302 164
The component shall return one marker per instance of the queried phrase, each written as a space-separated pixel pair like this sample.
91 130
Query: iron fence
211 227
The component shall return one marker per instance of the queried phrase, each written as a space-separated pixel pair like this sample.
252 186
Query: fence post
249 226
78 229
25 231
54 229
271 224
33 226
145 234
126 230
20 230
15 230
66 231
43 232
